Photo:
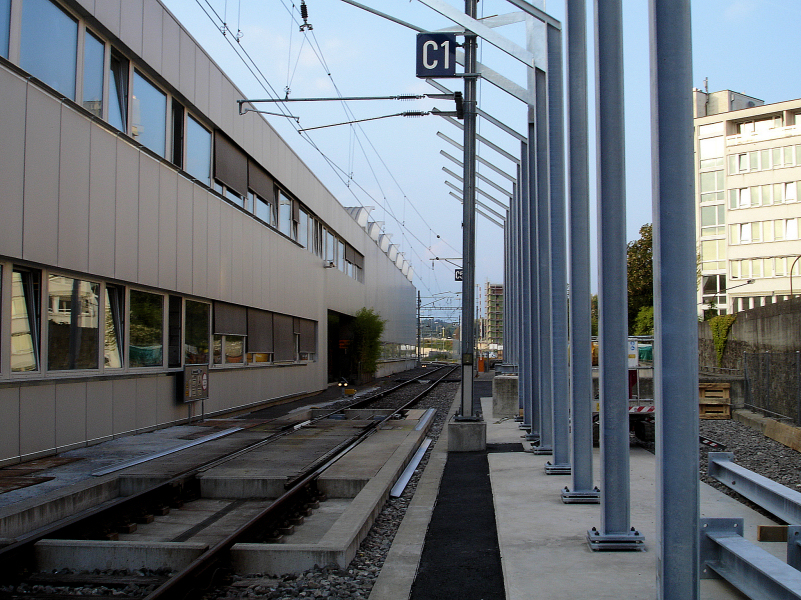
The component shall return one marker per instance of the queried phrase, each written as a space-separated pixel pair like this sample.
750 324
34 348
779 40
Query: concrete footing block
89 554
505 401
467 436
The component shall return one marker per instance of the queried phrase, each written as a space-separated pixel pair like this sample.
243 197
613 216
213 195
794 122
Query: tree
368 326
639 258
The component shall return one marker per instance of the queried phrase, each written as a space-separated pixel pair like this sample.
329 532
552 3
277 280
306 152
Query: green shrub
720 326
368 326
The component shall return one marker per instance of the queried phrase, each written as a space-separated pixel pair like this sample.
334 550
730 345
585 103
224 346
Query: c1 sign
436 55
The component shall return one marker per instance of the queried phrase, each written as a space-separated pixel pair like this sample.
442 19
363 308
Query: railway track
271 520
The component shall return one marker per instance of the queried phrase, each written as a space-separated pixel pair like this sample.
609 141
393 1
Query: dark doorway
340 347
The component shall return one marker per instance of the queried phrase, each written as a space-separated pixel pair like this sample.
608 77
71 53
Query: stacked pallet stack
714 401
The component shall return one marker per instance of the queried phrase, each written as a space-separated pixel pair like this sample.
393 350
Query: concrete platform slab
90 555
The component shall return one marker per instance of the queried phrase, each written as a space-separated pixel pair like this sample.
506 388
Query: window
147 329
229 349
118 92
745 233
742 163
73 328
713 220
735 269
284 214
112 343
712 186
198 150
178 113
777 157
260 336
5 26
753 159
303 228
778 229
341 255
790 192
233 197
764 159
263 209
174 329
791 229
740 198
713 254
93 56
230 329
780 266
756 267
196 338
329 247
149 115
711 129
767 195
25 311
711 152
49 45
778 193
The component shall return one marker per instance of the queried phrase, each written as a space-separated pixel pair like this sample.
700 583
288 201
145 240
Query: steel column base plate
581 496
543 450
557 469
616 542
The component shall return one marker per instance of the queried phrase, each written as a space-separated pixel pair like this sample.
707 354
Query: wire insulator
304 11
415 113
408 97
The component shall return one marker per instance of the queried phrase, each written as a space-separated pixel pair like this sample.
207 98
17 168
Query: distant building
748 169
493 321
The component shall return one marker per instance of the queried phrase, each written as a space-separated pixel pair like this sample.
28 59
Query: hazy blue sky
395 164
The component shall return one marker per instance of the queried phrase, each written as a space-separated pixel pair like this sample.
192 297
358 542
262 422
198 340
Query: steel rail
184 584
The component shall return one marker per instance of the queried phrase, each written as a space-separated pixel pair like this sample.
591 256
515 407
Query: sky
395 164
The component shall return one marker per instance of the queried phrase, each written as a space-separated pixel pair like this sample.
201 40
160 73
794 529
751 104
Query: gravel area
356 581
753 451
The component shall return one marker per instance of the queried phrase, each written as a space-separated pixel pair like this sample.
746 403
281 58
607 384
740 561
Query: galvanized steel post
675 326
556 147
469 219
582 489
615 533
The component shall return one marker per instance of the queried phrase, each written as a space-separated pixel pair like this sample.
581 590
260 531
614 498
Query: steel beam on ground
615 532
724 553
773 497
582 490
675 288
560 465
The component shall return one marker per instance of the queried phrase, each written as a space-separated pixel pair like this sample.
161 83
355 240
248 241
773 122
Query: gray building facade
147 225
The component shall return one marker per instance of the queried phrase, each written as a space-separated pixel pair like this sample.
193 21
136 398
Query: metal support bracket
581 496
794 546
542 450
620 542
724 553
773 497
561 469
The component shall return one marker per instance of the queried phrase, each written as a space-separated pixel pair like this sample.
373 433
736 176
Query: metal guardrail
752 570
773 497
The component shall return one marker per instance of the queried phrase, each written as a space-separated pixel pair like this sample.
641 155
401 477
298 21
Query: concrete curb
400 568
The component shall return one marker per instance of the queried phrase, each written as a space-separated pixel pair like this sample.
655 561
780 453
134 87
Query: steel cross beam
773 497
752 570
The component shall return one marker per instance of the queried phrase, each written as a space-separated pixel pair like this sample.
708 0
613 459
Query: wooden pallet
714 392
714 410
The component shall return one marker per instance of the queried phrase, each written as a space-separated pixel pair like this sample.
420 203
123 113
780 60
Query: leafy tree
644 323
594 314
639 257
368 326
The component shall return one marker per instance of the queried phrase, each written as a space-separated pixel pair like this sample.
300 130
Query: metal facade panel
108 12
256 263
40 217
250 231
149 234
200 226
168 227
213 248
126 251
228 97
201 98
215 93
37 419
170 49
73 205
226 250
102 191
9 408
238 248
184 236
12 168
131 24
151 33
99 416
146 401
186 83
70 413
124 405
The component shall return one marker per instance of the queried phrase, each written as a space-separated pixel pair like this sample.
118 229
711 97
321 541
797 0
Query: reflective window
93 51
284 215
198 150
234 197
5 26
196 338
118 92
303 229
341 255
229 349
263 209
73 323
149 114
113 316
49 45
25 307
146 346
